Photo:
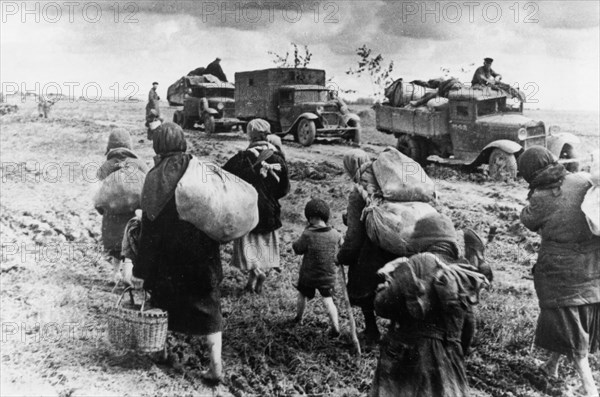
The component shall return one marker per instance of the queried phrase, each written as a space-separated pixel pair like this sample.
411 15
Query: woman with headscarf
363 257
264 167
567 272
119 156
428 298
180 265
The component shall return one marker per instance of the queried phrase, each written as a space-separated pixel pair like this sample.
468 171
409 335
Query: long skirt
256 251
573 330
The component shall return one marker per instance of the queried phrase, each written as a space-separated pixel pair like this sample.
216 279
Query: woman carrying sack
263 166
180 265
119 158
567 273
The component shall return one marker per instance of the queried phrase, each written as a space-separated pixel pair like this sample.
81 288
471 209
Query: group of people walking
429 296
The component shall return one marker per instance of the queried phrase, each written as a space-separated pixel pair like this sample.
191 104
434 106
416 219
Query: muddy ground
56 286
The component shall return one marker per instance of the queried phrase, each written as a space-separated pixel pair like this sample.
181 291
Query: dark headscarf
435 233
170 164
119 138
540 169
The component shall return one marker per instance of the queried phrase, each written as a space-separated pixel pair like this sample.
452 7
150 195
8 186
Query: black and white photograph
255 198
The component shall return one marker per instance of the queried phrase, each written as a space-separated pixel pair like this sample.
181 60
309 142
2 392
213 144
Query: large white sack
390 224
400 178
217 202
591 209
120 192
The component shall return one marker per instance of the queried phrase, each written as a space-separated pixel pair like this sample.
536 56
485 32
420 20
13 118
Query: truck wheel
306 132
503 165
355 124
568 152
413 148
209 123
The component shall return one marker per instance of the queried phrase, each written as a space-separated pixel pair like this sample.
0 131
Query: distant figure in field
153 100
44 106
215 69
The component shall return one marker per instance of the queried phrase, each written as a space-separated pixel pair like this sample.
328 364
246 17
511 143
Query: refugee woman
567 272
358 252
264 167
180 265
428 298
119 156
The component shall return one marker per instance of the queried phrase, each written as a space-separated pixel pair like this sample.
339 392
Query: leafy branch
374 66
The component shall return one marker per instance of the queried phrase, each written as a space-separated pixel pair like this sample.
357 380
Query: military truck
205 101
294 101
476 127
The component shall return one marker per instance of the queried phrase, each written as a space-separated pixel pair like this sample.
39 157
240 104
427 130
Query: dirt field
56 282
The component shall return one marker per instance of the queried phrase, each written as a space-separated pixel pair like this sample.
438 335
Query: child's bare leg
582 364
300 304
117 276
215 371
260 279
333 314
551 366
251 281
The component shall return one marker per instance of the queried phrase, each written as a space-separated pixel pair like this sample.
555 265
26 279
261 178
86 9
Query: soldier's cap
488 60
155 83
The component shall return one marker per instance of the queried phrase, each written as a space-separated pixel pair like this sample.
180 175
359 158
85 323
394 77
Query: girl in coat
180 265
119 156
428 298
264 167
567 272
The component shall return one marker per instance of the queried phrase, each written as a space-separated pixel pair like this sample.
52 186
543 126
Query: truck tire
568 152
209 123
306 132
355 124
503 165
413 148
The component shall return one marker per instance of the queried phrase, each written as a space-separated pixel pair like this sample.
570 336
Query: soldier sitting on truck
215 69
485 75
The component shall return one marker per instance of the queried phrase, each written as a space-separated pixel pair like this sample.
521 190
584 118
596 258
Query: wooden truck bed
394 120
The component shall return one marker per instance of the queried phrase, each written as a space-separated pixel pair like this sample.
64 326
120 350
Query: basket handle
128 289
144 301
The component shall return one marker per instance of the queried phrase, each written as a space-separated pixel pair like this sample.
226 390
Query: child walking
319 243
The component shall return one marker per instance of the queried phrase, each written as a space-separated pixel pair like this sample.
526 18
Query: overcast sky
550 48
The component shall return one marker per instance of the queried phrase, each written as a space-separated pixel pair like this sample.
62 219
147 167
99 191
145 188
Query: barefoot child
319 244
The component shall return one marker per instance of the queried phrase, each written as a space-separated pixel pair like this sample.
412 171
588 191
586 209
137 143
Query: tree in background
373 66
299 61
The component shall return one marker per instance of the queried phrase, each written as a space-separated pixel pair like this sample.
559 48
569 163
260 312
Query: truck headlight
522 134
189 90
220 106
319 110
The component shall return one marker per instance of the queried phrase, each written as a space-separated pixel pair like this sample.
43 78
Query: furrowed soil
57 287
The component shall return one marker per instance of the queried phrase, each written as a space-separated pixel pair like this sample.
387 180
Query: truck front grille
535 131
331 119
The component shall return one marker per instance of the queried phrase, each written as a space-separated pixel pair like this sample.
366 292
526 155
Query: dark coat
422 353
362 256
113 225
181 267
319 245
216 70
567 272
269 189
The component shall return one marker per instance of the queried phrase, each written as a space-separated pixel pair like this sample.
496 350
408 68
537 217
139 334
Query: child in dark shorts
319 243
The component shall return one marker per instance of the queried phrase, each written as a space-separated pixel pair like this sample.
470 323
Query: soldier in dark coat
567 272
153 101
215 69
180 265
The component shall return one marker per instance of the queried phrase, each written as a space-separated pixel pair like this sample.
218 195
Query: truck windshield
487 107
310 96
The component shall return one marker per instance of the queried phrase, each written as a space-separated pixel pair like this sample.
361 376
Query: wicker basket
130 327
